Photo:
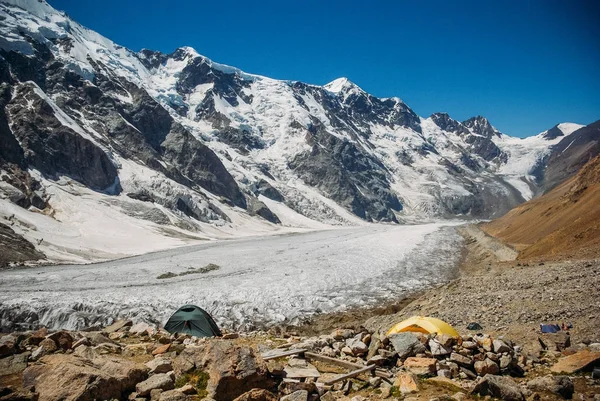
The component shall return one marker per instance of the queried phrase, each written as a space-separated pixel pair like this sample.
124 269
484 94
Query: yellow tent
422 324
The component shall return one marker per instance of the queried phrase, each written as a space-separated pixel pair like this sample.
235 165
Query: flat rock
118 325
161 349
300 395
500 346
561 385
486 366
420 366
13 364
405 344
576 362
160 381
159 365
257 394
299 372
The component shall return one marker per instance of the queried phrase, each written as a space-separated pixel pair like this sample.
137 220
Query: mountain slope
187 145
563 223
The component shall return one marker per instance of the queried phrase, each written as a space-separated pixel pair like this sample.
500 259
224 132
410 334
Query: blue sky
525 65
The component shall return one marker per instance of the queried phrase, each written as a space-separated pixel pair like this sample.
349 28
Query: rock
47 346
576 362
257 395
62 339
347 350
97 338
118 325
8 346
69 377
468 373
459 396
13 364
421 366
232 369
187 389
486 366
561 385
300 395
486 343
328 396
438 349
107 348
469 344
140 328
342 334
445 383
375 381
447 373
501 387
299 370
461 359
289 387
560 340
159 365
376 360
405 344
161 349
407 383
173 395
230 336
81 341
160 381
505 361
374 346
275 368
500 346
357 346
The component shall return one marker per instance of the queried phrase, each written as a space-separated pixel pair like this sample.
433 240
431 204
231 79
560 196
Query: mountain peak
342 84
481 126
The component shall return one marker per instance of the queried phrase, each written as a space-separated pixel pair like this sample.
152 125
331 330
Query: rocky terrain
175 148
138 362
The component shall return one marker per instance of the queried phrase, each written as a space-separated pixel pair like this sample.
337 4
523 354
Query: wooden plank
268 355
354 373
334 361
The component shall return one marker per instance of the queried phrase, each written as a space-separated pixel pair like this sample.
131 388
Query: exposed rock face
15 248
70 377
233 370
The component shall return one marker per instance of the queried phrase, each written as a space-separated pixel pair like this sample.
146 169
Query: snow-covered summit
344 85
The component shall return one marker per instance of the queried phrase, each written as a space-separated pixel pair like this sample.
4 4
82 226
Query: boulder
300 395
159 365
438 349
47 346
65 376
500 346
8 346
576 362
486 366
342 334
421 366
62 339
13 364
162 381
405 344
461 359
257 394
357 346
118 325
407 383
232 369
561 385
502 387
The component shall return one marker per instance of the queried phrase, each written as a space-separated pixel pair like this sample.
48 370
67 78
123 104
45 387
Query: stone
461 359
357 346
561 385
560 340
347 350
407 383
81 341
107 348
447 373
172 395
97 338
161 349
257 395
230 336
376 360
140 328
299 371
187 389
467 373
459 396
502 387
342 334
69 377
445 340
13 364
405 344
232 369
328 396
275 368
500 346
160 381
374 346
505 361
300 395
486 366
438 349
445 383
47 346
375 381
421 366
469 344
576 362
7 346
159 365
62 339
487 344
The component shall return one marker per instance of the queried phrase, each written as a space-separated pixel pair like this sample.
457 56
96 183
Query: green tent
190 319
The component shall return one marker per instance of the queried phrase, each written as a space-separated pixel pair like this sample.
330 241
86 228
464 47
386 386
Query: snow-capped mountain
181 142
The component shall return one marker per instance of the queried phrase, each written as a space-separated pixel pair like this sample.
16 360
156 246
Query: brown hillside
564 223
